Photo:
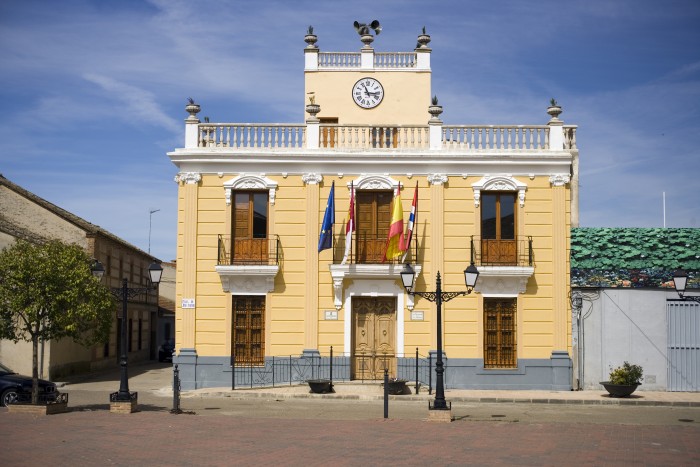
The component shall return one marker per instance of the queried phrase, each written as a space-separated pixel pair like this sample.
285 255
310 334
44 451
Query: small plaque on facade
331 315
416 316
187 303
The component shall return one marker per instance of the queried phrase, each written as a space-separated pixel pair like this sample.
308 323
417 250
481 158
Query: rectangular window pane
507 208
488 216
260 215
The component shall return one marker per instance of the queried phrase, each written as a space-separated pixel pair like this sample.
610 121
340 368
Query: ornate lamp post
471 274
680 279
123 293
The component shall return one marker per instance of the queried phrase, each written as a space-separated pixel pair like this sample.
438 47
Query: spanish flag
394 242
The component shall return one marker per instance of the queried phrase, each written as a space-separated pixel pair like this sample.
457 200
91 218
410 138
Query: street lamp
408 275
680 279
123 293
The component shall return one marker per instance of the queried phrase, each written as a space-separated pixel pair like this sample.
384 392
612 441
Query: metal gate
683 345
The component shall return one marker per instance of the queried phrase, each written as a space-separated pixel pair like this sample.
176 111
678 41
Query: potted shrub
624 380
396 386
320 386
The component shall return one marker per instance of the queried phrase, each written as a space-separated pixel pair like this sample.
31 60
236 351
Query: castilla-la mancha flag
394 241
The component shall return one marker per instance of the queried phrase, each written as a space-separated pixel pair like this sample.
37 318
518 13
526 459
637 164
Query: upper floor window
373 216
250 238
498 233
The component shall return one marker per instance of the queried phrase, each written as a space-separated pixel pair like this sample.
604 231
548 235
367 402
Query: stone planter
320 386
619 390
311 40
554 111
60 405
397 387
435 111
423 41
313 109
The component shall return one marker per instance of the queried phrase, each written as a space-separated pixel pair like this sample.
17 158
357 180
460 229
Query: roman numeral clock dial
368 93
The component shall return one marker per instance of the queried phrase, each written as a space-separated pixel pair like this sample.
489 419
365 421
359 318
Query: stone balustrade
395 60
494 137
342 60
251 135
334 137
339 60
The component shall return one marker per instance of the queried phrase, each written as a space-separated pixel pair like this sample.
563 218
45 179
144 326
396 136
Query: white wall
621 325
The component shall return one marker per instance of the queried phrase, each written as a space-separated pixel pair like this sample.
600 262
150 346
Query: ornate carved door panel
374 339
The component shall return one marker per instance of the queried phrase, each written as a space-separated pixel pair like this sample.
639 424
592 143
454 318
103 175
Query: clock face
368 93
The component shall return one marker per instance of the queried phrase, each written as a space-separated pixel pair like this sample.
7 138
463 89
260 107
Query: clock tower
369 87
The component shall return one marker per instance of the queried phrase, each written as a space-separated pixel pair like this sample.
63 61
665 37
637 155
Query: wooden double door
374 337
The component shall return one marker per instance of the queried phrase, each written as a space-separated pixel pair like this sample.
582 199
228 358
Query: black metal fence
294 369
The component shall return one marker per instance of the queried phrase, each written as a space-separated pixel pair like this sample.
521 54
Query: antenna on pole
150 217
664 202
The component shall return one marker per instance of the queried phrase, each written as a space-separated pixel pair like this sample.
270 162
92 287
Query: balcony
248 265
369 249
496 252
245 251
505 266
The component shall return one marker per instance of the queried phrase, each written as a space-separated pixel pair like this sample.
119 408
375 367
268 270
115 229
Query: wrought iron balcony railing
499 252
245 251
370 249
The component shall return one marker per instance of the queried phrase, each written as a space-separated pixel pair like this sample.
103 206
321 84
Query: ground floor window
248 336
499 333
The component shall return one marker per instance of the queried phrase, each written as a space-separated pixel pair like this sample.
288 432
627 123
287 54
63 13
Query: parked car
18 388
165 351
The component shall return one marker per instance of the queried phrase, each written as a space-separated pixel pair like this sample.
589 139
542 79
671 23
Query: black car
18 388
165 351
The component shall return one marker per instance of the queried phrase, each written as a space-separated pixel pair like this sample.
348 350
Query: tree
48 292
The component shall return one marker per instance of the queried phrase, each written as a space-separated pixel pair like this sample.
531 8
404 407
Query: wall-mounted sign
416 316
331 315
187 303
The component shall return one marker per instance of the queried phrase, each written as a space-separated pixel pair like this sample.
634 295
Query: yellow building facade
254 290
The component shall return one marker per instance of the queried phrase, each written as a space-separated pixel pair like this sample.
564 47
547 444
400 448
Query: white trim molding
250 182
248 279
376 272
188 178
503 281
499 183
559 179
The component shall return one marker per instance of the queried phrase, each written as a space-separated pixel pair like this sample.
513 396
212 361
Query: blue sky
94 91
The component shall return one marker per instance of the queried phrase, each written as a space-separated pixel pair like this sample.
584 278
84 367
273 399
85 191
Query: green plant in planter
626 375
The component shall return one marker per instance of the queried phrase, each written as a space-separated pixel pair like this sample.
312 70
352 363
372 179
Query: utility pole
150 218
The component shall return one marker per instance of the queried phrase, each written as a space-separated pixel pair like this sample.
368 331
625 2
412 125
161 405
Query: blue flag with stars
325 240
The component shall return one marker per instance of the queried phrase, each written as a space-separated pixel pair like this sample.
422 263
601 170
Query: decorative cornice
499 183
374 182
189 178
312 178
376 272
503 281
437 179
250 182
559 179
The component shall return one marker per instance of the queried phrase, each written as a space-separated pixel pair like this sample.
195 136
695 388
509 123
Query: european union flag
325 240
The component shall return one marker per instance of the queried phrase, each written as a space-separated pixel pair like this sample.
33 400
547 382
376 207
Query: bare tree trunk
35 364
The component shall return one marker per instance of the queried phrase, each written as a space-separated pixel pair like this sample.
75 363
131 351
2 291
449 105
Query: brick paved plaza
155 437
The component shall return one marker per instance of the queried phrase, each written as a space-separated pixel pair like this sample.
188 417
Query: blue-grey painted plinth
553 373
186 362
